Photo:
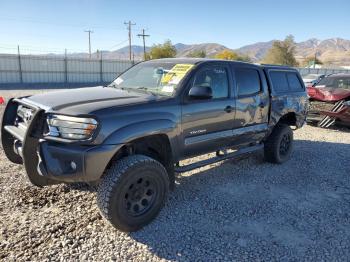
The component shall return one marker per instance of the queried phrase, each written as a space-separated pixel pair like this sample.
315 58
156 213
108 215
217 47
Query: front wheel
132 192
279 145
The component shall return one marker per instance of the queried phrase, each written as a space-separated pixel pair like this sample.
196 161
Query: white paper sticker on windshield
175 80
118 81
168 89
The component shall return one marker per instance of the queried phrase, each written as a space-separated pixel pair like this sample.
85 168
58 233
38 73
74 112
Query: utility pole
144 42
65 66
20 65
315 59
89 32
129 24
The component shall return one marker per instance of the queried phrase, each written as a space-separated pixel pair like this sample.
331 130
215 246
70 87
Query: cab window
248 82
214 77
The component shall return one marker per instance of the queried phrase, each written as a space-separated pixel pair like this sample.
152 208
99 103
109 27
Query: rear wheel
279 144
133 192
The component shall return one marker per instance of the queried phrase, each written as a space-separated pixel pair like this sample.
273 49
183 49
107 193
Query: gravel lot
236 210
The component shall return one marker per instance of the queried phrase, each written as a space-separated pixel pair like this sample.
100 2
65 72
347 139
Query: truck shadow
249 206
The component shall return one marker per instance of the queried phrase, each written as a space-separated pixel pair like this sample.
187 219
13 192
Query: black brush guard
18 143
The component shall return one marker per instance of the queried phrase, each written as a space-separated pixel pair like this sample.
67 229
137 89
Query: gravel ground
236 210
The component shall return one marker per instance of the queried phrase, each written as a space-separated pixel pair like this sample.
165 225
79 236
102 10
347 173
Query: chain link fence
31 69
324 71
59 70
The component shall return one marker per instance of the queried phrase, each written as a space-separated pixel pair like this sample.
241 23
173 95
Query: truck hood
88 100
323 93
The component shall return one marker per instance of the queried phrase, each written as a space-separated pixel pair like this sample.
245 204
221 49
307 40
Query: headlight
75 128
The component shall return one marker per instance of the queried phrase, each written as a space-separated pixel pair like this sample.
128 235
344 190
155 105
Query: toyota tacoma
130 136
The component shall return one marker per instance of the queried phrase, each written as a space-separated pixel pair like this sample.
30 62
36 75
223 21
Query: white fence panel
57 69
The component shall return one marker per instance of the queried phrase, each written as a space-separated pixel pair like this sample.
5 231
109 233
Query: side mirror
201 92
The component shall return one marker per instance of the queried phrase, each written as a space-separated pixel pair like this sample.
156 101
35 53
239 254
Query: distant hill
256 51
209 48
332 51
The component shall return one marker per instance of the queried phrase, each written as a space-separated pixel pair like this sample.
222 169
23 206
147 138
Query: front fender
137 130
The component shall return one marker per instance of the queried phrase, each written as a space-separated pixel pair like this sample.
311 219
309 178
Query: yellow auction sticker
175 74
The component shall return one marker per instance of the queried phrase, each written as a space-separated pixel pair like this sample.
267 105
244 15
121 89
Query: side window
343 83
214 77
294 82
279 81
339 83
248 81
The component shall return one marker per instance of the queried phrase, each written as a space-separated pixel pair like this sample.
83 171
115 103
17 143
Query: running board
236 154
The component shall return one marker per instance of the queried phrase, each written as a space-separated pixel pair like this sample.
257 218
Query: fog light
73 165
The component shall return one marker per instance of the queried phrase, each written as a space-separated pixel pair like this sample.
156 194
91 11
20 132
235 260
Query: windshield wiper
146 89
138 88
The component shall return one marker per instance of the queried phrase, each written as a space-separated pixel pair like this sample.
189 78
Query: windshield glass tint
157 77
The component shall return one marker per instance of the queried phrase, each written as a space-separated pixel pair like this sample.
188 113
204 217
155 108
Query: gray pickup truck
130 136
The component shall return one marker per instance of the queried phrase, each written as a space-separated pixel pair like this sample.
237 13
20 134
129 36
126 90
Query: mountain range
334 51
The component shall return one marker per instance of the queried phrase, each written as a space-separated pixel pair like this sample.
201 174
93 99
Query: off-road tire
273 145
123 184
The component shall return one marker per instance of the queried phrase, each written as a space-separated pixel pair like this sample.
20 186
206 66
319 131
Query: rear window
248 81
285 81
294 83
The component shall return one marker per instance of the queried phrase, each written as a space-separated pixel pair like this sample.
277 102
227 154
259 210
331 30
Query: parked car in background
312 79
330 101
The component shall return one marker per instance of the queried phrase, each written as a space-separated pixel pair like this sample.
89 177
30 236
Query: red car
330 101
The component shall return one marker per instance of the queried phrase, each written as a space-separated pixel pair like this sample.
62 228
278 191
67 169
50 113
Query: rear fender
282 105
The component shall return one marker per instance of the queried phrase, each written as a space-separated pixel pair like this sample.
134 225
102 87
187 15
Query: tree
197 53
226 55
310 60
244 58
282 52
231 55
163 50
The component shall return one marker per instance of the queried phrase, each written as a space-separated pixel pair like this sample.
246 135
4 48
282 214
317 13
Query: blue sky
54 25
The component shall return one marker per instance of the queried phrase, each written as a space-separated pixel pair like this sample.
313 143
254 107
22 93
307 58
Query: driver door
207 123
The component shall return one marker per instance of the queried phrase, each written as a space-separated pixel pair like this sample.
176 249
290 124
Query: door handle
228 109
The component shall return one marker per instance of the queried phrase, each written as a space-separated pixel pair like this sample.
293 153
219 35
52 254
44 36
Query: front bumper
49 162
67 163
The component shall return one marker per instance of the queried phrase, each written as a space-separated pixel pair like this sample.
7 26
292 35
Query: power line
129 24
118 44
143 35
89 32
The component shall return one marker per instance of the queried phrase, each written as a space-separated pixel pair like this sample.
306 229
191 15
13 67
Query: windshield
327 81
335 82
161 78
